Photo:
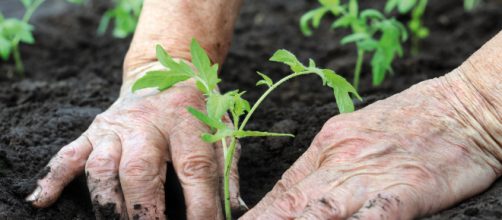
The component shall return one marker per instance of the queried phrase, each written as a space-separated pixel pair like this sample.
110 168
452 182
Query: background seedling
217 105
470 5
125 14
14 31
372 33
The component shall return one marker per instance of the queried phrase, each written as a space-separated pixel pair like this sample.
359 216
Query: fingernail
35 195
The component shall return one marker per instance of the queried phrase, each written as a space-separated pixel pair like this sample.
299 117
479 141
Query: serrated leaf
162 80
168 62
265 81
242 134
200 59
217 105
211 122
240 105
288 58
342 90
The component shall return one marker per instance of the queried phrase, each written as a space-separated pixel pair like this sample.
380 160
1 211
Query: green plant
125 14
372 33
217 105
415 25
14 31
470 5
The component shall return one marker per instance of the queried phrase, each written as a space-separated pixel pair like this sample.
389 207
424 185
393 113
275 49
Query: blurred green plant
415 25
470 5
14 31
371 32
217 105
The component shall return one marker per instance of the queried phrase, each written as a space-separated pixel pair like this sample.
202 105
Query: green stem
226 178
359 64
17 60
274 86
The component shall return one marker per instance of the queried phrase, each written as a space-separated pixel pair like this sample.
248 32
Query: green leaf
168 62
242 134
78 2
353 8
342 90
265 81
372 14
391 5
217 105
211 122
406 5
288 58
342 22
218 136
355 37
161 80
27 3
5 48
207 73
240 104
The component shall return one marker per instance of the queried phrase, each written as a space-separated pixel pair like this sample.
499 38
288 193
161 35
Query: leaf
354 38
208 73
218 136
217 105
288 58
161 80
372 13
241 134
240 105
5 48
211 122
104 22
342 22
265 81
342 90
406 5
168 62
27 3
391 5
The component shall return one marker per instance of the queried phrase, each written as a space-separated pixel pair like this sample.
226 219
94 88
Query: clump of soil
72 75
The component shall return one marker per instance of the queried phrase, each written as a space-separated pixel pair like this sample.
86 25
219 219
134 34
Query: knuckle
326 206
198 168
138 169
103 164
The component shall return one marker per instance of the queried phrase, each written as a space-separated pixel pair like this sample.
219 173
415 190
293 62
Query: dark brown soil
72 75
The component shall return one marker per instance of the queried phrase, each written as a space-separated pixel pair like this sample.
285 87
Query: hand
410 155
124 154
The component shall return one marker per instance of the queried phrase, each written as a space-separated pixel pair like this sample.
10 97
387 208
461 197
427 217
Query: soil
72 75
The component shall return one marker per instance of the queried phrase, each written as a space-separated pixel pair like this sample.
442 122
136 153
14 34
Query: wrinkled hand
412 154
124 154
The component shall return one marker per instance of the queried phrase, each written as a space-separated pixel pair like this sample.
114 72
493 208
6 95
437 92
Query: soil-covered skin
72 75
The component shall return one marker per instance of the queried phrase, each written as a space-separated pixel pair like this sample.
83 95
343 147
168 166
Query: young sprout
371 33
415 25
14 31
217 105
126 15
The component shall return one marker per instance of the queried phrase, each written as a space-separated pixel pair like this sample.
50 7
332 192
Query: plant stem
359 64
270 89
17 60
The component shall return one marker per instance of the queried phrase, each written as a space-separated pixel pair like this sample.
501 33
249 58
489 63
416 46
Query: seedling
415 25
217 105
126 15
14 31
371 32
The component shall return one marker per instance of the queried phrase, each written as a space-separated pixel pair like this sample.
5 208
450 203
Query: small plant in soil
371 32
14 31
218 105
125 14
470 5
415 25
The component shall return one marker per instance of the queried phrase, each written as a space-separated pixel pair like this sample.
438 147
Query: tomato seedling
14 31
125 14
470 5
415 25
217 104
372 33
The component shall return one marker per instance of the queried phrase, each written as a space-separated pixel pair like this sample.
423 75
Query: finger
393 204
64 166
196 166
237 204
298 171
142 173
103 178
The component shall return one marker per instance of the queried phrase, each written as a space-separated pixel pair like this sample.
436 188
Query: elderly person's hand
410 155
126 149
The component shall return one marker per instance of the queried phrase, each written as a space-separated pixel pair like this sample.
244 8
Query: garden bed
72 75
